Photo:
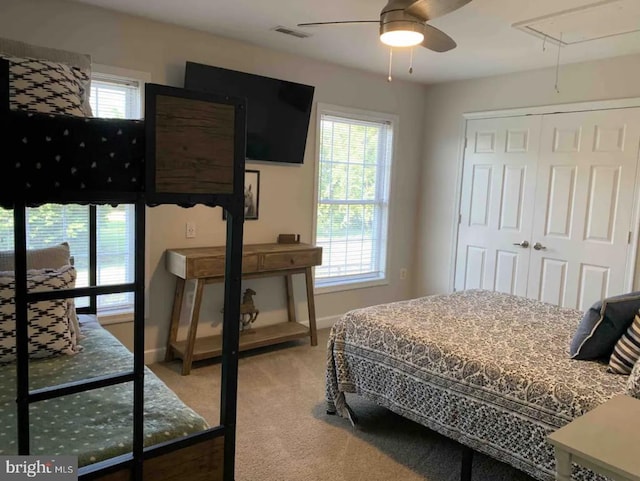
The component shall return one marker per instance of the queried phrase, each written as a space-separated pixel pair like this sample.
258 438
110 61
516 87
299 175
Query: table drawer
290 260
214 266
250 263
205 267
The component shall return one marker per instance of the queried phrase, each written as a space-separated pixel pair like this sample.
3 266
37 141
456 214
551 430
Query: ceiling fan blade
341 22
437 40
430 9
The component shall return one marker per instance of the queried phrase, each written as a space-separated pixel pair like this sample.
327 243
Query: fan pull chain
390 62
544 44
411 62
558 64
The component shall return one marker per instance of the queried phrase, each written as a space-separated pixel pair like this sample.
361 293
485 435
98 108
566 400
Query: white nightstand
605 440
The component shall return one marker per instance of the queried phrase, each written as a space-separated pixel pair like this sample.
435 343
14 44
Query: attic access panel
594 21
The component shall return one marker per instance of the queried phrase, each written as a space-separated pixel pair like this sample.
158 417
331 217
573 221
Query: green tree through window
353 184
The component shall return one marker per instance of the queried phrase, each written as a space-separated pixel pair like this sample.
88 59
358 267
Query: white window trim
370 116
119 316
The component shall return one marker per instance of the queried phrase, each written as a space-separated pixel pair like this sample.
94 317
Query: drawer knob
292 260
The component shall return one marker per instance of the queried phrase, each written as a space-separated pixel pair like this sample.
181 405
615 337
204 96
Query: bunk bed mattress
94 425
489 370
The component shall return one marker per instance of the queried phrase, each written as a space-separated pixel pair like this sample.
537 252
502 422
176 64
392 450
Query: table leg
312 306
194 317
291 307
563 465
175 318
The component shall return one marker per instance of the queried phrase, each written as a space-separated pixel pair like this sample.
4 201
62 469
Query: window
355 152
115 97
50 224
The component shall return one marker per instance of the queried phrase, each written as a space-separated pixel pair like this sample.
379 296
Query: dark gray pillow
602 325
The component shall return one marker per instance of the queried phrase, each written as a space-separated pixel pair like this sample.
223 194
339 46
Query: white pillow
50 330
52 257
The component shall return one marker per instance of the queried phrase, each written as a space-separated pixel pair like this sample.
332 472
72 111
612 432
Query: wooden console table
205 265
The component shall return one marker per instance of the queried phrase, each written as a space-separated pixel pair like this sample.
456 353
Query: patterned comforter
489 370
93 425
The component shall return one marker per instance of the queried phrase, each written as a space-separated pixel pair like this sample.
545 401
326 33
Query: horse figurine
248 311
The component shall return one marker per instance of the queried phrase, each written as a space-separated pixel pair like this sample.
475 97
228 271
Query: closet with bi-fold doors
548 205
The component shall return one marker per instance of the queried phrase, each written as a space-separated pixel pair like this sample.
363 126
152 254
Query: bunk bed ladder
138 340
22 332
231 334
25 396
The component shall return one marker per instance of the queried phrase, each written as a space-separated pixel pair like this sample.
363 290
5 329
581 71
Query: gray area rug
284 433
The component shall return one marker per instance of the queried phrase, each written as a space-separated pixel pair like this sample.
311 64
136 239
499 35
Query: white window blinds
114 97
52 224
353 186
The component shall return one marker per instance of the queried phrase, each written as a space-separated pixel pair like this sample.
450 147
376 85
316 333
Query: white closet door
498 190
583 206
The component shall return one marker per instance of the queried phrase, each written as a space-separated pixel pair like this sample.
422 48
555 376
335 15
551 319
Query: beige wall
606 79
286 192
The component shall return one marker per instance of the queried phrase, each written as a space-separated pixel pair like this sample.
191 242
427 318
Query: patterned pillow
53 257
627 349
46 86
49 325
633 384
602 325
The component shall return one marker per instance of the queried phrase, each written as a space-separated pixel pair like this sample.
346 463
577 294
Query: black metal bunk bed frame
19 199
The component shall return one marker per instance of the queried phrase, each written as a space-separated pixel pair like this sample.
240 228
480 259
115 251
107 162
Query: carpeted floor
284 433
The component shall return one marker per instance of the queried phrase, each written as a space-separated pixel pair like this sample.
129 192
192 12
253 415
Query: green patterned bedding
93 425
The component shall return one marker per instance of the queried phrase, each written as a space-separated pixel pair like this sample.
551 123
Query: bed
189 150
489 370
93 425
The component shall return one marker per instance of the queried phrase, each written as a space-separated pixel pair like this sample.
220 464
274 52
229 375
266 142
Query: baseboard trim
323 322
152 356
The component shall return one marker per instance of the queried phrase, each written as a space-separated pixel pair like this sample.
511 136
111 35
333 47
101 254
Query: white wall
444 106
286 192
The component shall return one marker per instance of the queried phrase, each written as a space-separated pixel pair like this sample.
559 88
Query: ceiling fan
403 23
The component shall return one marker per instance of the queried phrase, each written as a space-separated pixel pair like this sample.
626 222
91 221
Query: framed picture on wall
251 195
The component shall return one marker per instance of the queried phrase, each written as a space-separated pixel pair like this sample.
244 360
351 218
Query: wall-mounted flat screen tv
278 111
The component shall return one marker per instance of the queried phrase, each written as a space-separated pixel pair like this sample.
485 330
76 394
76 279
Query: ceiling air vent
289 31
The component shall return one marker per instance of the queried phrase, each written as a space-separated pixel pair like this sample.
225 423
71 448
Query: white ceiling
487 42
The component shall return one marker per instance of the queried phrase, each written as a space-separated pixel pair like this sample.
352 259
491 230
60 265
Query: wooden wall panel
194 146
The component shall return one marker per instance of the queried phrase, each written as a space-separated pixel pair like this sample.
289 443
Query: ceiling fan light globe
401 38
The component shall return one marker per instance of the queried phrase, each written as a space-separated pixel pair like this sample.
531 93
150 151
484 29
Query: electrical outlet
403 274
190 230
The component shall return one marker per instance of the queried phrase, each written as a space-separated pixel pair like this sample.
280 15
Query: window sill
115 317
348 286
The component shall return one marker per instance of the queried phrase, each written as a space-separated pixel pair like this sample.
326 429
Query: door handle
524 244
539 247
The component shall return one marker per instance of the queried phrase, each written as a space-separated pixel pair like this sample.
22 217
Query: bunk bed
190 150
